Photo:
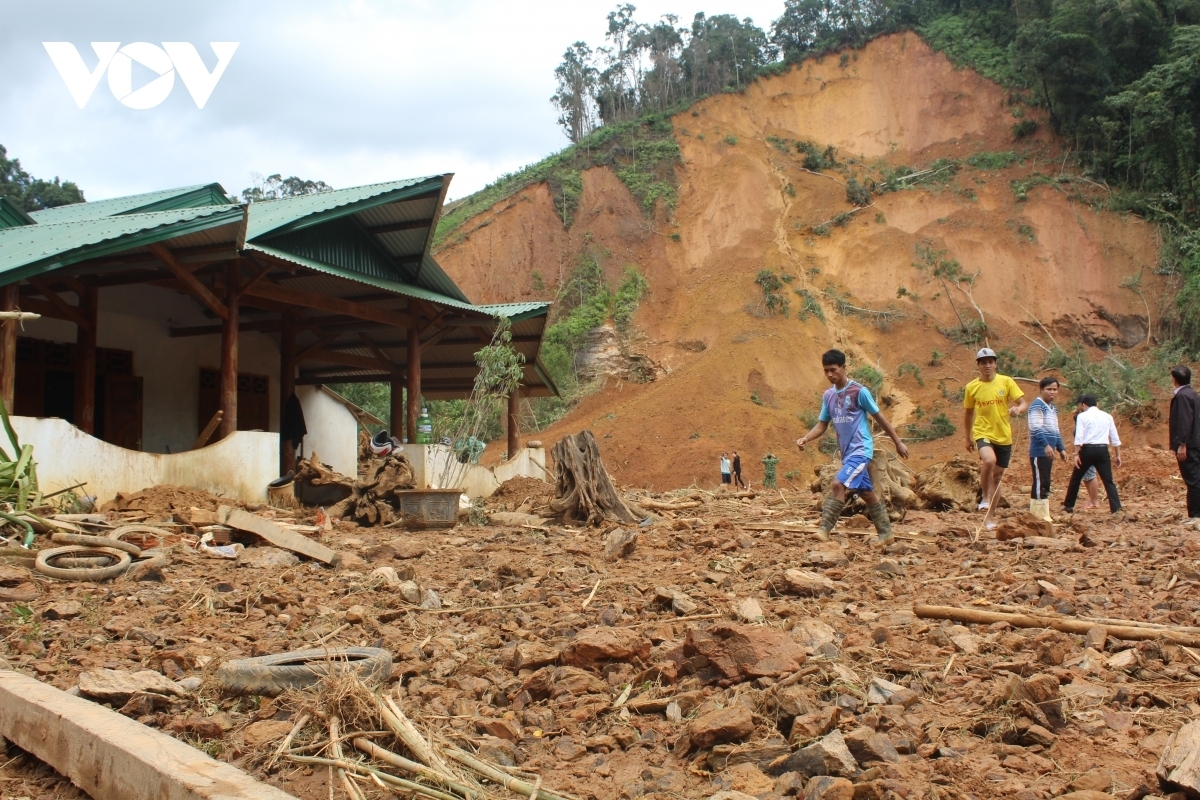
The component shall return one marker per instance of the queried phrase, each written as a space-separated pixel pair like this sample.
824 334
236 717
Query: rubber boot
830 511
879 516
1040 509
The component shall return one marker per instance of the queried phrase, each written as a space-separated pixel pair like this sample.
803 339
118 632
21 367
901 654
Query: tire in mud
273 675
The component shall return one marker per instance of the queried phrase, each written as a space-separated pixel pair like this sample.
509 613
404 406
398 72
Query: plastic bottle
424 427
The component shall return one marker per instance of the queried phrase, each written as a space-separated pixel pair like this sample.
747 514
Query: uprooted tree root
583 490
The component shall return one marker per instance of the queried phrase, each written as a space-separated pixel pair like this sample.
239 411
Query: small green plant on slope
869 377
808 305
773 298
939 427
1120 388
909 368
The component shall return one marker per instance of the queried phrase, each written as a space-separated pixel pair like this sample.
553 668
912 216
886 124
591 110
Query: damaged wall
332 430
66 456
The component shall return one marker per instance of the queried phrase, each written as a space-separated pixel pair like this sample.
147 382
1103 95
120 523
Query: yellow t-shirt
991 401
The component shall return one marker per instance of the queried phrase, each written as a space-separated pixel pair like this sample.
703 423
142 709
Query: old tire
273 675
96 541
145 531
44 557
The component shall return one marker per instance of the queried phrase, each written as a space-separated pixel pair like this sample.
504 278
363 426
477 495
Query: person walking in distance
737 471
725 467
1044 442
1185 435
847 404
988 401
1094 432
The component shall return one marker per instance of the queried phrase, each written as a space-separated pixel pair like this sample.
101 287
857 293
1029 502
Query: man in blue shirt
847 405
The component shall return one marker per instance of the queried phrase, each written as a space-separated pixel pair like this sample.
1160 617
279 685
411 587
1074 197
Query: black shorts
1003 452
725 478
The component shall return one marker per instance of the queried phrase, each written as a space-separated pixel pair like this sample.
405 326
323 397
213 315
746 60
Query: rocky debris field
721 651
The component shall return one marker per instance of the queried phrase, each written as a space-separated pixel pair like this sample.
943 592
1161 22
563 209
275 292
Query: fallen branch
502 778
287 741
1103 621
661 506
413 740
1065 625
413 768
363 769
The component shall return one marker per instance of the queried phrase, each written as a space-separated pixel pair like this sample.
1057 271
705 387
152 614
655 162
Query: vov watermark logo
164 61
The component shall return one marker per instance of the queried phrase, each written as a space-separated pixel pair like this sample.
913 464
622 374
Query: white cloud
349 93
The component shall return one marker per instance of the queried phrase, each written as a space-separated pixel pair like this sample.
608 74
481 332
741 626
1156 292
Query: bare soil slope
734 377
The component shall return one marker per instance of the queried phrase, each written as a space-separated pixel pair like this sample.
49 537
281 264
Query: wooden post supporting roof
514 429
397 403
287 386
414 381
85 361
229 354
10 297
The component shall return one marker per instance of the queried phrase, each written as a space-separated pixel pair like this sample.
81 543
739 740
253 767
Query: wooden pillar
414 381
229 353
10 297
85 362
287 386
514 429
397 407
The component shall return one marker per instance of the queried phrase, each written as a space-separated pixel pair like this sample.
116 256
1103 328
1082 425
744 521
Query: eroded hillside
878 281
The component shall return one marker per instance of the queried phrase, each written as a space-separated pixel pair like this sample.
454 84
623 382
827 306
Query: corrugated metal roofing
276 216
12 216
517 311
203 194
37 248
405 289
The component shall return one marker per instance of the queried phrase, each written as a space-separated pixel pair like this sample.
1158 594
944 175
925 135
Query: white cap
986 352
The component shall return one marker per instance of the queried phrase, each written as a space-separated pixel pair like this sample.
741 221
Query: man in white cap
990 401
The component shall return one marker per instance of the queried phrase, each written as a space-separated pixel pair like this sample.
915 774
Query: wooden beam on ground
330 305
112 757
10 296
85 361
72 312
280 537
229 356
193 284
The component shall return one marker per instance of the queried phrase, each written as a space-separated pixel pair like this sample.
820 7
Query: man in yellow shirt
990 400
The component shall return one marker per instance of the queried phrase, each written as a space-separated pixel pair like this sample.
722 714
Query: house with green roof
171 314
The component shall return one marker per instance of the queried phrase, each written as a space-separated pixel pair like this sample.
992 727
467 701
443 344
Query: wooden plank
280 537
229 358
10 297
207 433
73 313
110 756
85 361
193 284
331 305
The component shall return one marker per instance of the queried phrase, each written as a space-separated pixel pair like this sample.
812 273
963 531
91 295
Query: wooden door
123 411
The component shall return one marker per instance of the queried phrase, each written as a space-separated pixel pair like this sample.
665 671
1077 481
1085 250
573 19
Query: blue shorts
854 475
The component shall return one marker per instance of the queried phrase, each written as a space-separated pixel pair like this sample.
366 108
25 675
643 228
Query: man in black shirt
737 471
1185 435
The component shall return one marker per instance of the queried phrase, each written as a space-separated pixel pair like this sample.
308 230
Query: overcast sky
345 92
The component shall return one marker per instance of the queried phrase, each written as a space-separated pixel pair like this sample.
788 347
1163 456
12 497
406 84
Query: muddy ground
700 715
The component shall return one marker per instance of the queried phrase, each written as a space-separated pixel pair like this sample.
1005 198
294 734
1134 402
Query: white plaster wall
239 466
332 430
435 467
137 318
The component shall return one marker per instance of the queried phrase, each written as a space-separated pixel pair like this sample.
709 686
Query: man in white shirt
1094 432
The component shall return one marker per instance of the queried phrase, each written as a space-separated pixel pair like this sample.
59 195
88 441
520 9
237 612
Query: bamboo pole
500 777
1065 625
413 768
363 769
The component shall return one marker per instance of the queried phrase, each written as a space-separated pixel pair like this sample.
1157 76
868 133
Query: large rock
731 724
267 558
952 484
867 745
812 634
115 686
620 543
531 655
829 756
1180 761
743 651
824 787
1021 525
802 583
596 646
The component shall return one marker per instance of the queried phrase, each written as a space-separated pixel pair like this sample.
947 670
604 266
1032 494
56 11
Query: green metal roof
273 217
351 274
11 216
33 249
206 194
517 311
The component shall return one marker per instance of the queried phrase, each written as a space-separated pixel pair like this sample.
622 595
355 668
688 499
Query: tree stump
583 490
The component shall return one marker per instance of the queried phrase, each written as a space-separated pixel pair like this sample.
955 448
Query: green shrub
731 140
909 368
772 286
869 377
937 428
1009 363
1024 128
856 193
993 161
